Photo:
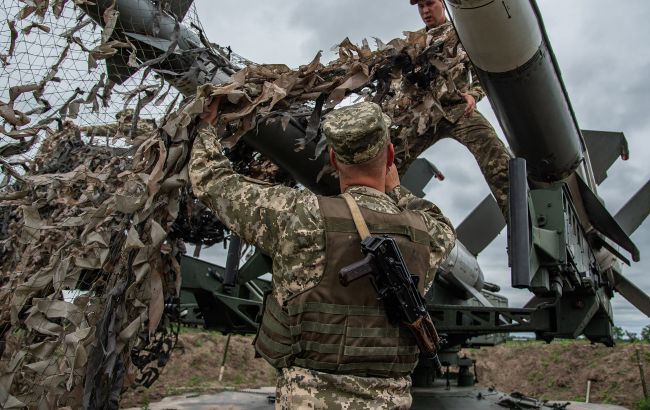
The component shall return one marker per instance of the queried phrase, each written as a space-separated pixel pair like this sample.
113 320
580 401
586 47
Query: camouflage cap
357 133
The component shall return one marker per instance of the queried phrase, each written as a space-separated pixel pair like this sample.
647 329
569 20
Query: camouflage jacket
457 73
287 224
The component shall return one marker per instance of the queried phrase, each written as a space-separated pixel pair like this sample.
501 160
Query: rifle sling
359 222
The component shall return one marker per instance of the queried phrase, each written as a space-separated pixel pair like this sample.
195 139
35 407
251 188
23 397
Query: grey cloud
329 22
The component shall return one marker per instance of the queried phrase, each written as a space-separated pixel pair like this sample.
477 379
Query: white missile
507 44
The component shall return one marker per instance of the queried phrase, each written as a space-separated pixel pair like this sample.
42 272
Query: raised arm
258 212
441 231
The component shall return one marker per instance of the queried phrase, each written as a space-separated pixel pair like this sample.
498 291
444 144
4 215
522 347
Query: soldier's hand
392 178
471 104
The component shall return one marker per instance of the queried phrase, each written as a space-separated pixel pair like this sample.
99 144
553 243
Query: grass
145 402
174 391
196 329
642 404
605 399
535 376
238 379
194 381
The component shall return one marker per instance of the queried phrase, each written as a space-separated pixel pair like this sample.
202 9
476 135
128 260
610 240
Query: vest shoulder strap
359 222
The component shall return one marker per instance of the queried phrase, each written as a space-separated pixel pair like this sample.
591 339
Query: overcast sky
602 49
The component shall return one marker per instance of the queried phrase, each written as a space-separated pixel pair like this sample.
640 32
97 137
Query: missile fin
178 8
481 226
632 293
635 211
604 149
158 43
470 290
604 222
519 233
418 176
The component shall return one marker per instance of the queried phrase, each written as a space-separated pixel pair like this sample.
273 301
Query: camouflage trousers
478 136
300 388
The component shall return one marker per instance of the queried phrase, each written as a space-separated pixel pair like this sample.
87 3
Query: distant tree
645 334
617 333
631 336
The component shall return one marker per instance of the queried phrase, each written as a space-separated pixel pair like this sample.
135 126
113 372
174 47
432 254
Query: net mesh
62 114
48 74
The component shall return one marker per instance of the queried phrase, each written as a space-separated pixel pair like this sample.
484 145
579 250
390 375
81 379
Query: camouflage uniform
473 131
287 224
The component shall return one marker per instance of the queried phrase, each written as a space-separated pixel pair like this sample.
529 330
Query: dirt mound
194 367
557 371
560 370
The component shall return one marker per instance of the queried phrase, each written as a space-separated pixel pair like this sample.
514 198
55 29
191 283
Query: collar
446 23
366 191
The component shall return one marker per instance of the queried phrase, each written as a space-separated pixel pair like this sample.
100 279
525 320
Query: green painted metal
234 309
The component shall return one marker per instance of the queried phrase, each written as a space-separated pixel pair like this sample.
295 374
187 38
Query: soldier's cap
357 133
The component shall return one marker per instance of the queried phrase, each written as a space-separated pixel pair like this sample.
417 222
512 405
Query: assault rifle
397 288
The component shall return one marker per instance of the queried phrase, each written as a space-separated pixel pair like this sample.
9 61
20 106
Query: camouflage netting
93 224
406 77
85 309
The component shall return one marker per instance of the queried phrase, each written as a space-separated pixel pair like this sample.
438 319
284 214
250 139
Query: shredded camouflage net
408 77
93 224
86 311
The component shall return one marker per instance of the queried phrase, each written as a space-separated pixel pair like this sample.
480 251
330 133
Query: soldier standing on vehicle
461 121
333 346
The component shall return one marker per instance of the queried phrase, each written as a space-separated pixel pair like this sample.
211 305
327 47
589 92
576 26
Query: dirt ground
558 371
194 367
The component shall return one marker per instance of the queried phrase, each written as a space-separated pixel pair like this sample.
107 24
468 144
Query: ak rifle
397 289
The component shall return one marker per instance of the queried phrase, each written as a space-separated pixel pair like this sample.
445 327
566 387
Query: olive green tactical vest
345 330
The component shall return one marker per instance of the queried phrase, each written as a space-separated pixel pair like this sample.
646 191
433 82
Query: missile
511 53
558 227
159 37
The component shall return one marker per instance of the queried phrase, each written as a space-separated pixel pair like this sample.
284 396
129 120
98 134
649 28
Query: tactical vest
345 330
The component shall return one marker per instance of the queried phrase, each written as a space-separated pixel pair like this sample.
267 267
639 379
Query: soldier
333 346
461 121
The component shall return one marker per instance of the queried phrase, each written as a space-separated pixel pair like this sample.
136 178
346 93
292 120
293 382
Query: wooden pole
223 360
588 391
642 374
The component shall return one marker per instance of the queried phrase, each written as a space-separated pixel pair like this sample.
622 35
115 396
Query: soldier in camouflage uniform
460 120
333 346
